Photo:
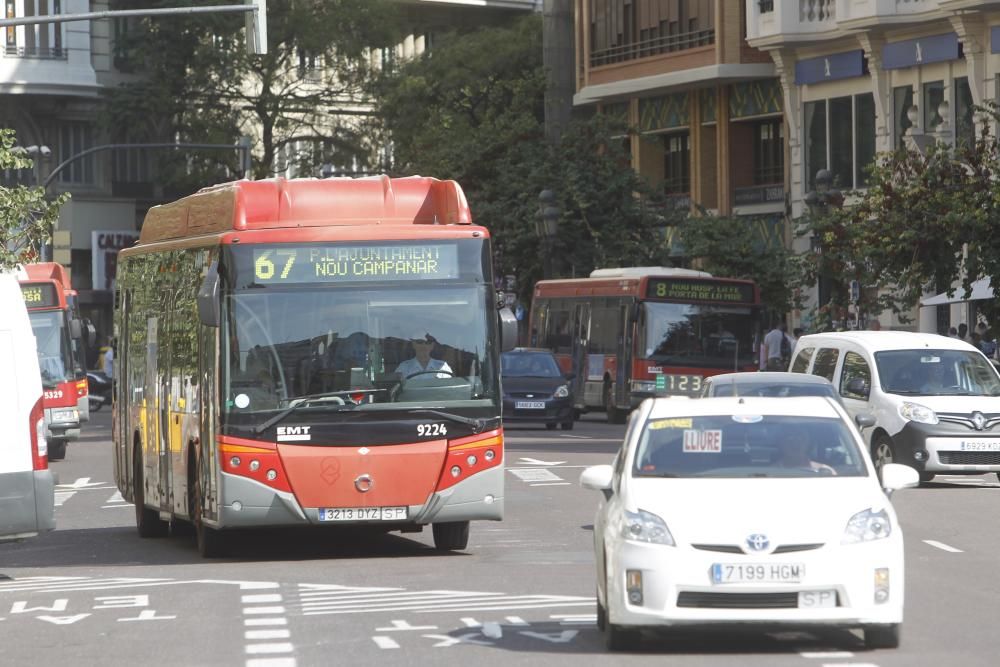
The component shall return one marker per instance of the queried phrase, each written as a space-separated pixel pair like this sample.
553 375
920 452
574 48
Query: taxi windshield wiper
311 399
478 425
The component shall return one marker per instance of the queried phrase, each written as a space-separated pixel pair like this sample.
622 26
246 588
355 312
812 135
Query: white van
27 488
935 400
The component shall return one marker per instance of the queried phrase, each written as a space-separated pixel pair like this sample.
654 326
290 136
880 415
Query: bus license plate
362 514
529 405
745 573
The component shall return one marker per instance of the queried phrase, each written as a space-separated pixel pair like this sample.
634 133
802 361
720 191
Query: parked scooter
99 386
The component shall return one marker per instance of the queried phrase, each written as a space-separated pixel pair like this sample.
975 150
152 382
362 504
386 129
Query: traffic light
256 22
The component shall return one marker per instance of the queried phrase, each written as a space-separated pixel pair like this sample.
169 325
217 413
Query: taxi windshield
747 446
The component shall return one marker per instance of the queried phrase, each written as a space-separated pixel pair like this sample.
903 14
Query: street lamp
547 226
819 202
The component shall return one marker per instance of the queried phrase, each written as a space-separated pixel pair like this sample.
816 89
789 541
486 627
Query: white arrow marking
147 615
467 638
385 642
536 462
81 483
564 637
62 620
404 625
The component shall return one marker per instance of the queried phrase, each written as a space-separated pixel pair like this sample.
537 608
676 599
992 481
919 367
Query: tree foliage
473 110
196 83
926 221
26 216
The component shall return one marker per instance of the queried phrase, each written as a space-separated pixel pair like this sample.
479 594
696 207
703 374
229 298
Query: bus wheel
452 536
615 414
57 450
147 521
211 542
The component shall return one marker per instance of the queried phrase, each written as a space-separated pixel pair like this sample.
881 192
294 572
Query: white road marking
470 622
116 497
576 437
264 621
80 483
264 610
63 496
267 597
398 626
552 484
516 620
271 662
535 475
826 655
385 642
942 546
254 649
266 634
115 507
536 462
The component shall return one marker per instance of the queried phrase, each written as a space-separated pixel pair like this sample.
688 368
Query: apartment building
707 107
51 80
860 77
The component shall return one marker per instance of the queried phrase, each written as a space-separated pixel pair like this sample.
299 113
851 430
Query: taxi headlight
562 391
867 526
915 412
643 526
65 415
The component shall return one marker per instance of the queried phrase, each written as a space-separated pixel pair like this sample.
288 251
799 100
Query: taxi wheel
882 453
147 521
619 638
451 536
882 636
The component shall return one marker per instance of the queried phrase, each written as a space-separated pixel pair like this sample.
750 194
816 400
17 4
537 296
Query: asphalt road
94 593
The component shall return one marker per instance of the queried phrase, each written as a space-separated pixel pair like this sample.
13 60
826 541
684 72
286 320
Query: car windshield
697 335
747 446
937 373
52 341
776 390
529 364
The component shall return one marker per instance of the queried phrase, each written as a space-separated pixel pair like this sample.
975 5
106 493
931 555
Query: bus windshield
700 335
371 348
52 340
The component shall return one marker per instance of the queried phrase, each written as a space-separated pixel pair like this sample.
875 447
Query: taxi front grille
693 599
970 458
736 549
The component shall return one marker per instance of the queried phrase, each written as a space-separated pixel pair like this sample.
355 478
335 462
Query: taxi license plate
746 573
981 445
362 514
529 405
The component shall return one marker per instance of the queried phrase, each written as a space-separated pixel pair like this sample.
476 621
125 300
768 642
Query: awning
981 289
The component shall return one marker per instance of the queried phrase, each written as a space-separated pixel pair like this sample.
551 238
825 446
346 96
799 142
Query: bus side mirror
508 329
91 334
75 329
208 298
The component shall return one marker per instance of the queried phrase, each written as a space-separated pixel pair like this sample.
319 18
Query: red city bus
631 333
310 352
64 379
81 335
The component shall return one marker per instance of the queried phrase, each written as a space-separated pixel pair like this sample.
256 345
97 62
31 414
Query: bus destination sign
354 263
698 291
39 295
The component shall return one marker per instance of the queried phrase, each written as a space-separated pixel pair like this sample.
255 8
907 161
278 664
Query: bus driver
421 361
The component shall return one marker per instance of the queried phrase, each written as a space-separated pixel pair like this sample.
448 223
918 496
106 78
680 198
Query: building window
933 96
965 125
74 138
769 152
628 29
676 164
39 40
902 100
840 136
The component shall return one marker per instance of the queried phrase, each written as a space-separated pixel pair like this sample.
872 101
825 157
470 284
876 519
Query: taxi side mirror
896 476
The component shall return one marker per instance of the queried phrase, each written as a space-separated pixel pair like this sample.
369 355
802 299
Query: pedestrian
963 332
774 341
109 357
952 332
989 344
875 325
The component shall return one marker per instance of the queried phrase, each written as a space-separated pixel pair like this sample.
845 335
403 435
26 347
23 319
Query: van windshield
937 373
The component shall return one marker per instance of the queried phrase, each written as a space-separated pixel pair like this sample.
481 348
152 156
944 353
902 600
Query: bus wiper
478 425
303 401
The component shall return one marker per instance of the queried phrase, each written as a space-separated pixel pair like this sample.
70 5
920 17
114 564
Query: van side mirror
864 420
209 307
508 329
859 387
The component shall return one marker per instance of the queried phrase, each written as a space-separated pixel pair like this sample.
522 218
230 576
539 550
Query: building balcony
49 58
772 22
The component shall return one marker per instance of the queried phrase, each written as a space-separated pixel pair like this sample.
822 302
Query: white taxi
747 510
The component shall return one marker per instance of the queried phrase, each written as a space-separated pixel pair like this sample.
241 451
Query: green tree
196 83
26 216
473 111
740 247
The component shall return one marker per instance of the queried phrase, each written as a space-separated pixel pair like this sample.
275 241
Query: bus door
623 357
153 396
581 343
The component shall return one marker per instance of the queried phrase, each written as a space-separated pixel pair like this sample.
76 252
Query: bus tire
615 414
211 542
57 450
147 521
451 536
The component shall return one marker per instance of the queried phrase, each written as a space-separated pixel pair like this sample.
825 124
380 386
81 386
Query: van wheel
147 521
57 450
211 542
615 414
882 453
452 536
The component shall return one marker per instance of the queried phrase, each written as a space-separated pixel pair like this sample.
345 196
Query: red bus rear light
468 456
259 463
39 445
